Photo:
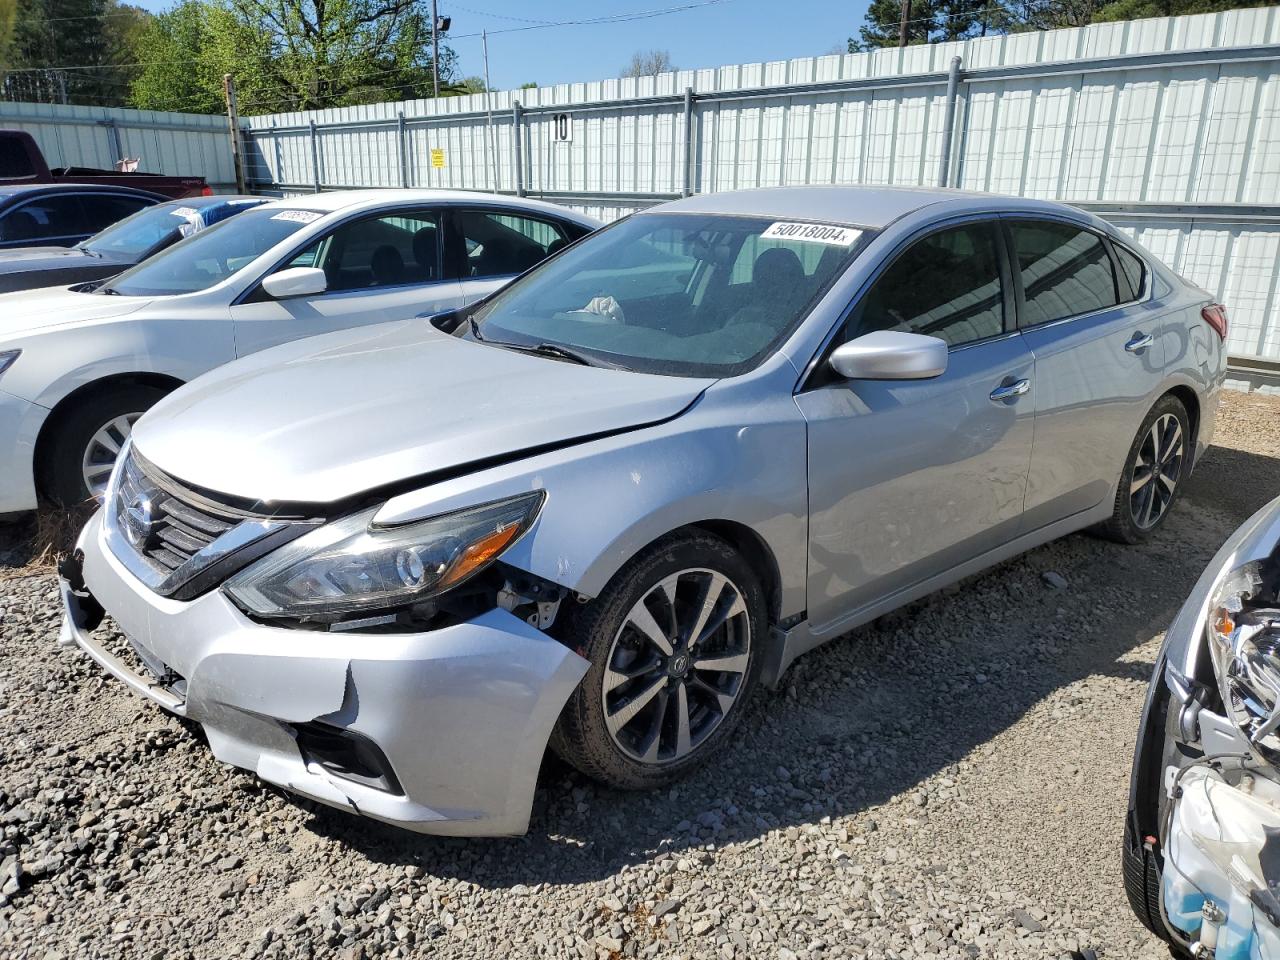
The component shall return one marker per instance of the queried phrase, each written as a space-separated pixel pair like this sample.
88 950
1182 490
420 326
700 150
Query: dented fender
608 498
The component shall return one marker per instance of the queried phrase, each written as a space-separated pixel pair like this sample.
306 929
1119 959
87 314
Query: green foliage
935 21
88 36
288 54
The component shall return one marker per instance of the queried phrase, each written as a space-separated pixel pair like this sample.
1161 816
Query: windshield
133 236
682 294
212 255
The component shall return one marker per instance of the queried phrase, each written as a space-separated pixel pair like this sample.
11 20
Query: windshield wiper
555 350
475 329
83 249
109 291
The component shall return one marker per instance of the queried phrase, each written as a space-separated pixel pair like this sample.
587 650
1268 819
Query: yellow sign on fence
437 158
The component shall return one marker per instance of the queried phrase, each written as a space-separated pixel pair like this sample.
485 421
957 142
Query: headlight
350 565
1244 640
6 359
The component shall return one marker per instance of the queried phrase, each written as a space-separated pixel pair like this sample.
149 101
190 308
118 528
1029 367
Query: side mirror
890 355
295 282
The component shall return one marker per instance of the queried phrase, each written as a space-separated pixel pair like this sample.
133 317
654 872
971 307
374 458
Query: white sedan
80 364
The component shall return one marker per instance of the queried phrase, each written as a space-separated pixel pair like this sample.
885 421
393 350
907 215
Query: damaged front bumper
440 732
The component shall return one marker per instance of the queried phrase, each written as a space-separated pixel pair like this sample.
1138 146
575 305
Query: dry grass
34 544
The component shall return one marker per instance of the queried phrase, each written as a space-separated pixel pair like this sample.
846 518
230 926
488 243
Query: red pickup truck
22 162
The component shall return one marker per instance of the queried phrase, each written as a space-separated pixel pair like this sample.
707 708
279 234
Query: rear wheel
87 439
1157 464
674 643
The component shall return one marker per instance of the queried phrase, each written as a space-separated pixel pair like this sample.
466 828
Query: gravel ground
949 782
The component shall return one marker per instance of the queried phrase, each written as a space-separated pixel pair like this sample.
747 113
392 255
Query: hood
322 419
26 311
30 258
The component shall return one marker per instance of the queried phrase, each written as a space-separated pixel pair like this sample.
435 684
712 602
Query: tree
648 64
65 51
289 54
931 21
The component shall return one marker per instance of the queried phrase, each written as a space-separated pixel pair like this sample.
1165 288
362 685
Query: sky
709 34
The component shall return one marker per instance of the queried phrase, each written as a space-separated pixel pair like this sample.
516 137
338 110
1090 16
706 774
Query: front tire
675 643
86 439
1158 463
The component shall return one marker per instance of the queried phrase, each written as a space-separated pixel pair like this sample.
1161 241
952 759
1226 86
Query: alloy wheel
101 451
1156 471
677 665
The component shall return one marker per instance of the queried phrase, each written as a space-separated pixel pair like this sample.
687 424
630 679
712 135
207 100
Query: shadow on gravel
868 717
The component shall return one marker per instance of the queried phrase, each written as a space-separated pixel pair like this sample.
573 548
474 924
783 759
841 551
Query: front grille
164 529
179 542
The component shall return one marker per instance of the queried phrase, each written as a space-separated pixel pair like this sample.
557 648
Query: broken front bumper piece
440 732
1222 856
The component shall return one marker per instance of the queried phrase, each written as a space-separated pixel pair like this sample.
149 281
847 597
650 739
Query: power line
539 25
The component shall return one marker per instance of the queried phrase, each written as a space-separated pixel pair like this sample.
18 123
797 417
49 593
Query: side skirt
800 639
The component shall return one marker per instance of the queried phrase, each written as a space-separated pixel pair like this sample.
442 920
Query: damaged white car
1202 840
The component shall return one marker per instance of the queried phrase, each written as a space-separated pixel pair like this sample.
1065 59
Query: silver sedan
384 568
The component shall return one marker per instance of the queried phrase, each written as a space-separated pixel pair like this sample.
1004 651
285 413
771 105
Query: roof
199 203
859 206
14 189
353 200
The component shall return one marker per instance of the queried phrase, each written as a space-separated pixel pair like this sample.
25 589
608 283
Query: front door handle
1139 341
1010 390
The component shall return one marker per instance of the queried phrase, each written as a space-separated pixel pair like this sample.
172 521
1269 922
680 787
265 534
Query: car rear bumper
20 422
458 717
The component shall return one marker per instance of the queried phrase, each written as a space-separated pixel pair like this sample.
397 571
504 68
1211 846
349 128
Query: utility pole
233 124
491 146
902 27
435 51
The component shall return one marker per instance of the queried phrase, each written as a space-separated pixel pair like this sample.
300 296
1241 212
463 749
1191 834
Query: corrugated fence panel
176 144
1169 125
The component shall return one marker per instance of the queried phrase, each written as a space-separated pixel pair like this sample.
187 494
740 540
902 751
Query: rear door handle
1139 341
1010 390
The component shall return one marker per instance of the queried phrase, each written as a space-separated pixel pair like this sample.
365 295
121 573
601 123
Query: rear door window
500 244
1135 273
1065 271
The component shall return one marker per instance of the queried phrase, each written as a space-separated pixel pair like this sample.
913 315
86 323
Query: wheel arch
58 413
1190 400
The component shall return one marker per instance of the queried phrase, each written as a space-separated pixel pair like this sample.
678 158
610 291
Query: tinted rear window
1065 271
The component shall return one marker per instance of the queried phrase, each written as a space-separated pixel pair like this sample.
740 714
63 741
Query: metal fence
1169 127
176 144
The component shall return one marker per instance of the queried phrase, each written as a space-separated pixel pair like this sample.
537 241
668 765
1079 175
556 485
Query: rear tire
1154 473
82 437
646 713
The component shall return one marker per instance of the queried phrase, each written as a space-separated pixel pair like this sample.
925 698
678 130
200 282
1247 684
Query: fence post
687 188
517 147
400 139
233 128
315 158
113 137
949 121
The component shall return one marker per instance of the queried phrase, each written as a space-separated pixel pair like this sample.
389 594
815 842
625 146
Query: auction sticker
185 213
298 216
812 233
